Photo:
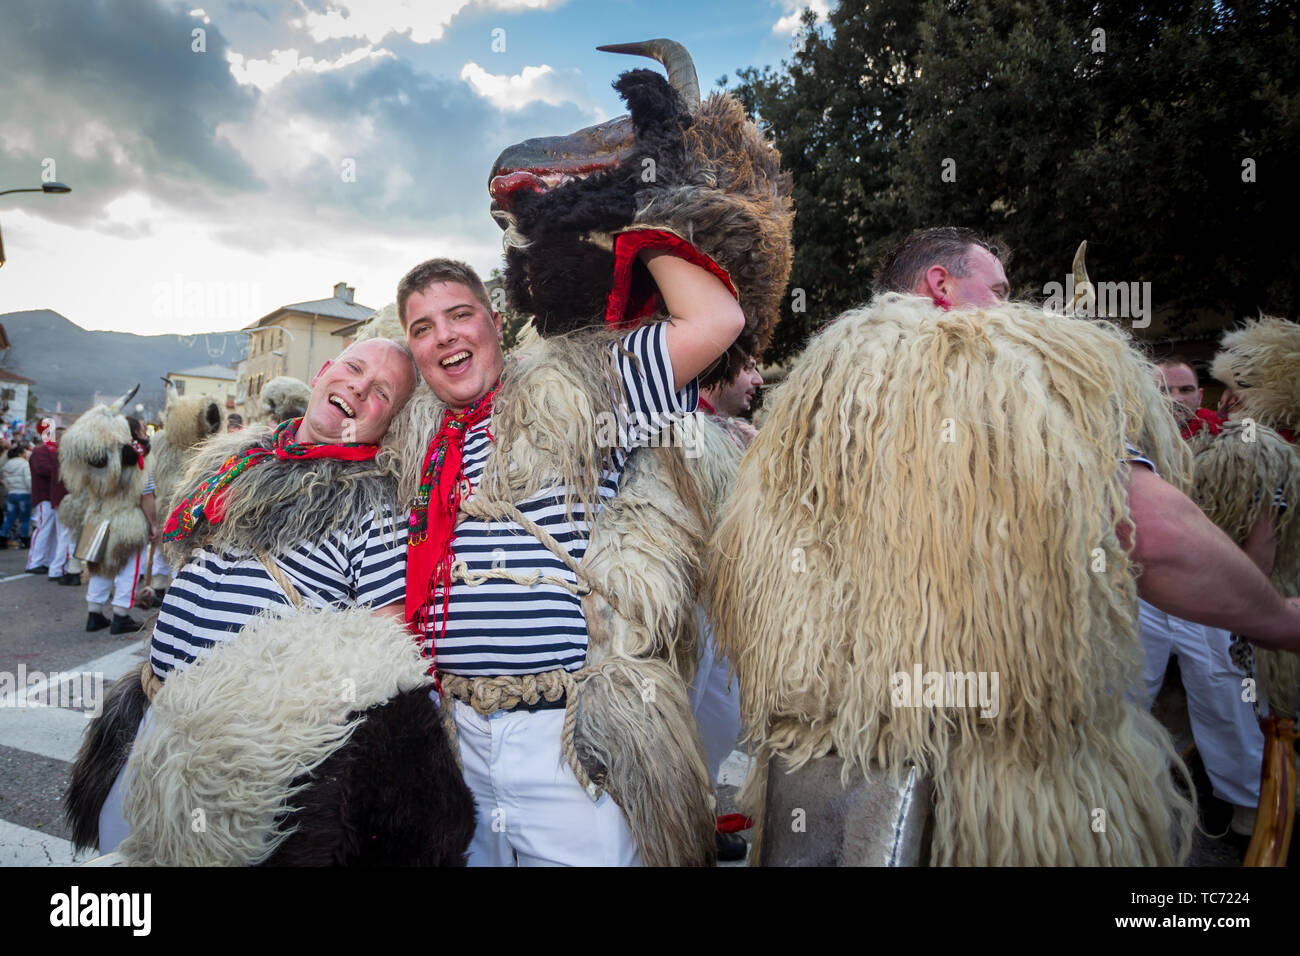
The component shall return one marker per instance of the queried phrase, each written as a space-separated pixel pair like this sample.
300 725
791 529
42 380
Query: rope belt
548 690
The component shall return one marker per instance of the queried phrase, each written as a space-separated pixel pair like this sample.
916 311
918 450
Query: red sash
433 519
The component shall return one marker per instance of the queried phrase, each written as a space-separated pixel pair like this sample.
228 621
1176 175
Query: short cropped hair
1176 359
439 270
949 246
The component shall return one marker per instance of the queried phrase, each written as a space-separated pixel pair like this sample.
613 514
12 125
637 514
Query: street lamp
53 188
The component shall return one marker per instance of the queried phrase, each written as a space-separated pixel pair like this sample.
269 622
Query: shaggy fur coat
939 491
1235 479
105 481
187 423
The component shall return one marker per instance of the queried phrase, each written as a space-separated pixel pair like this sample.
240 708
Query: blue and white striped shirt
215 595
500 627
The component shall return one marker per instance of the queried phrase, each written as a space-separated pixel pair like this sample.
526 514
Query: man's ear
496 321
327 364
935 282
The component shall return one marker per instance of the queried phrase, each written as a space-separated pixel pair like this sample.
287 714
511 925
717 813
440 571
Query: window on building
180 385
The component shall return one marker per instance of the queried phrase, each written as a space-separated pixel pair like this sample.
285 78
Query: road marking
49 731
112 665
20 846
16 577
734 769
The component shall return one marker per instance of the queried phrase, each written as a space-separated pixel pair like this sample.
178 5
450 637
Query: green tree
512 322
837 112
1129 124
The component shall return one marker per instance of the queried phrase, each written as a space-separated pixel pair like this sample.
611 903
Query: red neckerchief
433 520
209 501
707 406
1289 434
1205 418
139 454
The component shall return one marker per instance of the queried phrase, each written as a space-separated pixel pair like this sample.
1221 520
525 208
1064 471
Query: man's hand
395 610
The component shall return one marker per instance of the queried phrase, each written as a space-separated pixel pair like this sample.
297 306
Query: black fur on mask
565 288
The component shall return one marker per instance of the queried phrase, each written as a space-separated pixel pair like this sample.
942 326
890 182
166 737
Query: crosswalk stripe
112 666
20 846
48 731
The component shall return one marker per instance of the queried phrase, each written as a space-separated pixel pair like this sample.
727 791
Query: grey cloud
127 66
437 131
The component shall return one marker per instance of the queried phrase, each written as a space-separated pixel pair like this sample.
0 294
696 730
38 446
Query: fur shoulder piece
230 734
276 505
1261 363
938 491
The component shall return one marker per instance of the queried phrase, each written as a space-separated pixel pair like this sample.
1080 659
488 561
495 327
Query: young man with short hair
481 629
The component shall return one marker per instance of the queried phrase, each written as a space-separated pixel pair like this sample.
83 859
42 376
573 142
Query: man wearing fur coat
526 625
300 515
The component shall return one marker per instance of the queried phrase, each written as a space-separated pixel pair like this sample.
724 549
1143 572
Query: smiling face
354 397
456 342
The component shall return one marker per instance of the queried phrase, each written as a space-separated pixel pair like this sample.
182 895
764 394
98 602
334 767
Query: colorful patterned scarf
208 502
433 518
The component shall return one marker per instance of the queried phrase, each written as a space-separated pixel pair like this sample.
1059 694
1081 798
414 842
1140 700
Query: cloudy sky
293 144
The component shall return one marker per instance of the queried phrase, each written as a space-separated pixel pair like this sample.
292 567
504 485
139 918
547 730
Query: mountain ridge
70 363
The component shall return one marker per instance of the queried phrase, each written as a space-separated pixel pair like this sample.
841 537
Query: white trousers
160 565
44 536
1223 725
531 810
716 703
61 561
120 587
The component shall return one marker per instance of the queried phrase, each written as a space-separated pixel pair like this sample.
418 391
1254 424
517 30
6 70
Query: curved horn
1085 297
120 404
674 56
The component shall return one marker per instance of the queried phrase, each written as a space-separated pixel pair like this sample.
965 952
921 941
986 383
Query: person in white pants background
119 591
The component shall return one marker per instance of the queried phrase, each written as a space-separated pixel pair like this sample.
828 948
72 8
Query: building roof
337 306
8 376
209 371
350 329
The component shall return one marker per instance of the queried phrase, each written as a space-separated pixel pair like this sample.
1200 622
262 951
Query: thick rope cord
478 507
487 695
490 694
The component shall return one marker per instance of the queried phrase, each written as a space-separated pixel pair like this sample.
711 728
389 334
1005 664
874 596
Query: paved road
42 629
64 670
42 633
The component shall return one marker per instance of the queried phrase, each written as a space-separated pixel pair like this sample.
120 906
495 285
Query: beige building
294 340
209 381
